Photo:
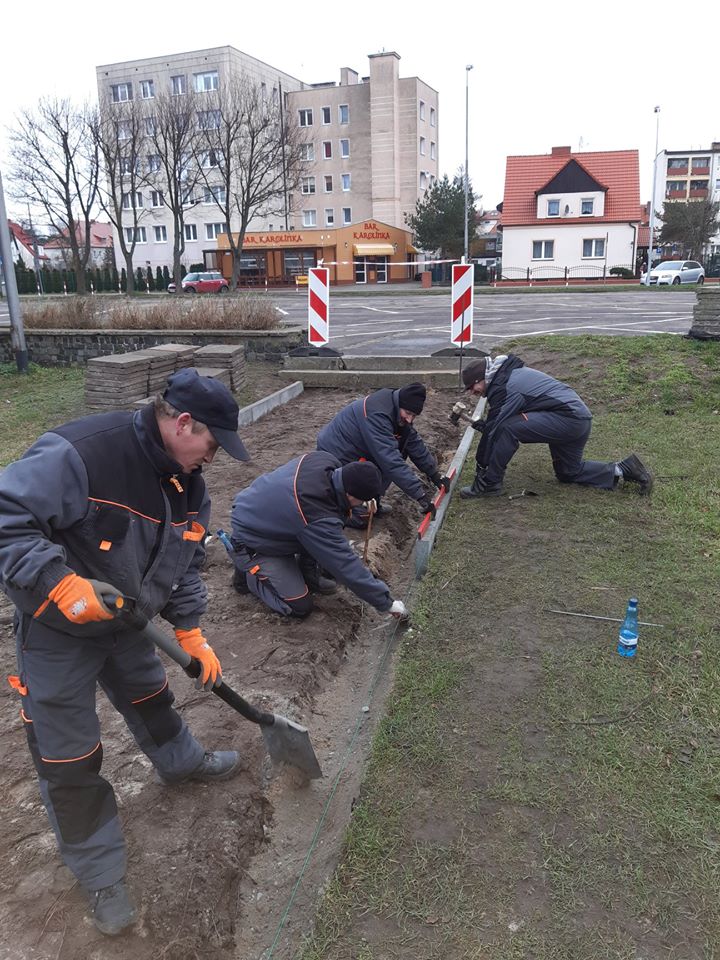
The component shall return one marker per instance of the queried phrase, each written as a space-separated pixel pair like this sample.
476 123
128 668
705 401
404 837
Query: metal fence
585 271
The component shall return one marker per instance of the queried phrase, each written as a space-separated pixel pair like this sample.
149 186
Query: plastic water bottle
628 637
225 540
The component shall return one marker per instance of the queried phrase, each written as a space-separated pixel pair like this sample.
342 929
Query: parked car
212 281
675 272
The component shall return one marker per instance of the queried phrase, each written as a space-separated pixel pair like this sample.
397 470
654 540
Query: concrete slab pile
227 356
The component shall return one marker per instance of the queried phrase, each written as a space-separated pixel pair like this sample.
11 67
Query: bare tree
55 168
120 131
172 135
247 158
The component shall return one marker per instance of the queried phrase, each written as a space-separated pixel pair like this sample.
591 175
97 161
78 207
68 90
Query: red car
210 282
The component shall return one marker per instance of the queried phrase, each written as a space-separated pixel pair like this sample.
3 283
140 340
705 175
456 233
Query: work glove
371 506
399 610
194 643
441 481
427 506
80 600
478 425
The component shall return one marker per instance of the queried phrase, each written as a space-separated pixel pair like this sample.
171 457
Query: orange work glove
81 600
194 643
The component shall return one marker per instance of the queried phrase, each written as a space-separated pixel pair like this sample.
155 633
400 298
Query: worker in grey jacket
528 406
106 506
379 428
287 535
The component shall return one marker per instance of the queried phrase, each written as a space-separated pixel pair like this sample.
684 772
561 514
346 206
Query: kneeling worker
287 534
528 406
379 428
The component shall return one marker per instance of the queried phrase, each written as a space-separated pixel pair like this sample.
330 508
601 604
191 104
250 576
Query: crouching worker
287 534
380 429
113 504
528 406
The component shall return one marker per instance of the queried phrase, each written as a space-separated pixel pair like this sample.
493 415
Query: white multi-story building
685 175
370 144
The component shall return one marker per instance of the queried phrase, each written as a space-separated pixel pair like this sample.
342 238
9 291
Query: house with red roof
101 246
21 244
570 215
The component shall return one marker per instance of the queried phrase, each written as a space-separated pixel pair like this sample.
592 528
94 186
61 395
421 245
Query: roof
23 239
100 236
617 170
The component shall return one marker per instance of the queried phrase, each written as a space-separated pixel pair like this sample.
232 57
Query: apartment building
370 145
684 175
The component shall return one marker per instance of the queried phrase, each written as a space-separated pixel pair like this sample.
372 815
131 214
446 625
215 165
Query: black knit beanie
362 480
474 372
412 397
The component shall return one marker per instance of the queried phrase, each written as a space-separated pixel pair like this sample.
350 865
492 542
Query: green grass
531 795
33 402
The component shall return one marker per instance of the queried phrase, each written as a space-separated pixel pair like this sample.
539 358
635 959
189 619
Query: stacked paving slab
706 314
228 357
117 381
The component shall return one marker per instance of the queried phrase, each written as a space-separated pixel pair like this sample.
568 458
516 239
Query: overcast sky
545 74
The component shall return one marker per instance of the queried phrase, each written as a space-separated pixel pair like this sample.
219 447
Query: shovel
285 740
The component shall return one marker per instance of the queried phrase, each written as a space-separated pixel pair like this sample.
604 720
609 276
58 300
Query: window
309 218
346 182
263 91
150 126
160 234
121 92
432 150
307 151
307 185
329 217
553 208
344 113
422 146
187 198
208 119
178 85
593 248
214 195
208 160
154 162
700 163
327 149
675 186
124 130
678 163
132 200
157 199
147 89
423 180
543 249
328 184
344 149
191 231
205 82
326 115
213 230
717 184
346 215
586 207
136 234
305 118
421 109
127 166
432 116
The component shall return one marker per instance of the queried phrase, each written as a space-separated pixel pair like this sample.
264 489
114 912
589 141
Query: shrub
70 313
622 272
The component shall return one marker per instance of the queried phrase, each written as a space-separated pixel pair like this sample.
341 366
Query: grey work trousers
59 674
566 437
277 581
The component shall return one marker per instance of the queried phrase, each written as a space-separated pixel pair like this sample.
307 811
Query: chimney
561 151
348 76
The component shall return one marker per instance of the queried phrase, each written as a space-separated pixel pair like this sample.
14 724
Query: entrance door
360 270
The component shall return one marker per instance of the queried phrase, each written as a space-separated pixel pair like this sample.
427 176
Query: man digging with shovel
110 506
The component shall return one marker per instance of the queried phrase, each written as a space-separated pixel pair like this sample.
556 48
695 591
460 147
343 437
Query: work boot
481 488
383 509
215 765
112 909
635 471
239 582
317 579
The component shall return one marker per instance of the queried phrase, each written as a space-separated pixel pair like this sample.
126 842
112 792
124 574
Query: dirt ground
213 867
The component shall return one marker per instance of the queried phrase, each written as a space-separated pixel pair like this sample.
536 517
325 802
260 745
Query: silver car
676 272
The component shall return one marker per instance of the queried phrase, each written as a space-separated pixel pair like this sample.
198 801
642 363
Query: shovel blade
288 742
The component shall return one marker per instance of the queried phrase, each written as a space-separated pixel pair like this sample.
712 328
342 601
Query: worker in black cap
379 428
288 540
529 406
107 506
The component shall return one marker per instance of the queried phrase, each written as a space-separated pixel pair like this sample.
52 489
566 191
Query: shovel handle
438 499
190 665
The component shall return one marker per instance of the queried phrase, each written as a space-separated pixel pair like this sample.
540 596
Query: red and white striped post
461 317
318 305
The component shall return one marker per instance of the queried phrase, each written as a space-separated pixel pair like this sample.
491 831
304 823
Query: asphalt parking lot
415 325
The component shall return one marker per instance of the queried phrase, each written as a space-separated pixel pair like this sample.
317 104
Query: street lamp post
652 199
468 68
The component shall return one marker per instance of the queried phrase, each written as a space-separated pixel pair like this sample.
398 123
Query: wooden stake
371 514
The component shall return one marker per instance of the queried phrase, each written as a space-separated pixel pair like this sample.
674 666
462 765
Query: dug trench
215 868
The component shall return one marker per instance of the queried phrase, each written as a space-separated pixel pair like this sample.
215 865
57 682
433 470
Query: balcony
677 171
700 171
675 195
699 194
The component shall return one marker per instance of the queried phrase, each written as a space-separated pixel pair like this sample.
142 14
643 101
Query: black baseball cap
210 402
